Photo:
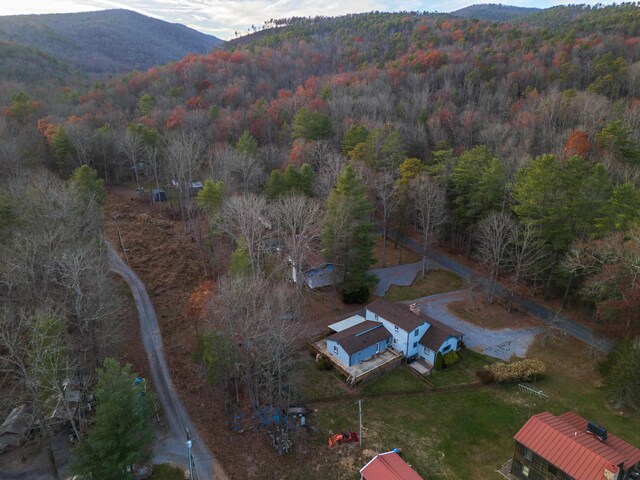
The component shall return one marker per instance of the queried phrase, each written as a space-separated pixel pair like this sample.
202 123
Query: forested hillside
539 126
19 63
109 41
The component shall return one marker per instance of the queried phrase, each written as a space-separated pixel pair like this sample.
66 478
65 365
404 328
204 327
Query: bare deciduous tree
83 141
385 191
131 145
297 218
428 201
184 160
527 255
253 311
328 174
495 234
245 219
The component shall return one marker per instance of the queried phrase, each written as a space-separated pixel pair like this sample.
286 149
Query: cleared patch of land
492 316
434 282
394 256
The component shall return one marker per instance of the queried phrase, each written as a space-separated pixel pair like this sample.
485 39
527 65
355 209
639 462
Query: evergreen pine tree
122 432
348 235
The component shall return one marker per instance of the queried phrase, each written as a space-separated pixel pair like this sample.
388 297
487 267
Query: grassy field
309 383
399 380
435 281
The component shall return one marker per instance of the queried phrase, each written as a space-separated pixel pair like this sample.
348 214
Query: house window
446 349
553 470
375 316
528 454
395 328
335 349
395 340
415 344
377 348
525 471
427 351
415 333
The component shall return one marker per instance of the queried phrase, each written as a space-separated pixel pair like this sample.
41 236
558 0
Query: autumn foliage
577 144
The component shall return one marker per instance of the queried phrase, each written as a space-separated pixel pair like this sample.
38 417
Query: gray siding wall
332 345
368 352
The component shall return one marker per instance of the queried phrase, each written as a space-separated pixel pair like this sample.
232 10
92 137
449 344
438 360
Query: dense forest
536 121
515 143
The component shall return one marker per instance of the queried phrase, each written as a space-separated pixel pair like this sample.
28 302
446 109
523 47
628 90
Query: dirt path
170 446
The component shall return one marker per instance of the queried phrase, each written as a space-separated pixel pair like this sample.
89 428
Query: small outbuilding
158 195
388 466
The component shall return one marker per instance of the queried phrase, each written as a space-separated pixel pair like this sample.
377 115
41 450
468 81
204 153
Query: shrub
439 361
360 295
486 376
323 363
450 358
523 370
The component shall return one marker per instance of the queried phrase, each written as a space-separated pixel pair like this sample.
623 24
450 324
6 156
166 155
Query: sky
223 18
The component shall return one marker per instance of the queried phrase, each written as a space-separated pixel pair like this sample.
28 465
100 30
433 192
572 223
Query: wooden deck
363 370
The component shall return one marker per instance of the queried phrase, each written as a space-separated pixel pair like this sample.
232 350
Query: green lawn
434 282
309 383
462 372
396 381
457 435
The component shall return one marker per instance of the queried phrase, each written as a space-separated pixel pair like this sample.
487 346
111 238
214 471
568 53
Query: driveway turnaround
501 344
172 445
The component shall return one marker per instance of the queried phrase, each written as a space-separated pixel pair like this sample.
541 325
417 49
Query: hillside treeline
525 134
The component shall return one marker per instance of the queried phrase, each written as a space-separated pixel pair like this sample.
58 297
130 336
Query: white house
414 333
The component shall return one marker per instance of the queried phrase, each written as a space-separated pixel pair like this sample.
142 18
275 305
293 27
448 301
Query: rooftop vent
597 430
415 309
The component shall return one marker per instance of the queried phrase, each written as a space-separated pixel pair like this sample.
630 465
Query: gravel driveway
170 446
402 275
501 344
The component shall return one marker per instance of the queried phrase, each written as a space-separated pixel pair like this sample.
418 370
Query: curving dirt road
170 446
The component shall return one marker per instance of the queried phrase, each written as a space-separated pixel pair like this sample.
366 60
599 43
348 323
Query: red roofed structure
562 447
388 466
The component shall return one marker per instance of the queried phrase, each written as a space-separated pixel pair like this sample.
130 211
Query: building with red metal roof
563 447
388 466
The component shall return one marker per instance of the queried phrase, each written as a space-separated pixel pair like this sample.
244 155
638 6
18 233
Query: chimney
415 309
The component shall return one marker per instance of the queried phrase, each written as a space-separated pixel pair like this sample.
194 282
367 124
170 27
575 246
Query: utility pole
360 411
189 444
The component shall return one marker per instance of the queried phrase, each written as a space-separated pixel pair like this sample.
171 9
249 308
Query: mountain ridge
496 12
106 41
